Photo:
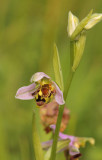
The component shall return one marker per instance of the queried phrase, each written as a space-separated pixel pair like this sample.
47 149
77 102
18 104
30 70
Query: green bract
57 68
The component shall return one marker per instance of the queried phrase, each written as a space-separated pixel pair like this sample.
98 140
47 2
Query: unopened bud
81 26
79 49
94 19
73 21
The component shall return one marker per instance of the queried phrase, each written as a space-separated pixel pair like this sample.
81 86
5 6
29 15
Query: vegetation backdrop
28 30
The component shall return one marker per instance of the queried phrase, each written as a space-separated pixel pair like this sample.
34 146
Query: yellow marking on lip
40 93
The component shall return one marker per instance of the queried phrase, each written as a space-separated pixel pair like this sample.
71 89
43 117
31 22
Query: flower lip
49 113
76 156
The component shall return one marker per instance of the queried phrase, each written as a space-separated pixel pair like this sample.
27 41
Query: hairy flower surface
72 144
43 90
49 113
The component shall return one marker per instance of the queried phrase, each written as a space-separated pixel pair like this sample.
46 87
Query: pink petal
59 95
38 76
25 93
65 136
61 135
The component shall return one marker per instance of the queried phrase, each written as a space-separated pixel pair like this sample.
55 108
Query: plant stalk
61 108
36 141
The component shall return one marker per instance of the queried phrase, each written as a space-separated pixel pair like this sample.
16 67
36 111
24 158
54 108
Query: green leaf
36 141
57 68
62 144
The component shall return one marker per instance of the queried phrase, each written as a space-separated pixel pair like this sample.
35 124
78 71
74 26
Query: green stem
54 145
68 84
71 73
36 141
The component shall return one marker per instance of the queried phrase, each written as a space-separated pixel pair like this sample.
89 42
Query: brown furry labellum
49 114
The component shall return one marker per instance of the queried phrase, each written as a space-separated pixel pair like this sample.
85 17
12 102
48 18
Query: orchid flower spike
42 89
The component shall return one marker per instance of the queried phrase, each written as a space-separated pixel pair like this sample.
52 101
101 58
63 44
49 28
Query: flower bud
80 26
78 50
72 23
94 19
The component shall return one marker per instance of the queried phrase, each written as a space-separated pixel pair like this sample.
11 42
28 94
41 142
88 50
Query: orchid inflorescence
51 96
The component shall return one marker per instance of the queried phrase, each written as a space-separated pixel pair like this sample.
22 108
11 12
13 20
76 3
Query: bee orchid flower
70 144
72 147
42 89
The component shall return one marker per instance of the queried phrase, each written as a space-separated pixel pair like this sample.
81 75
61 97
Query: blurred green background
28 30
